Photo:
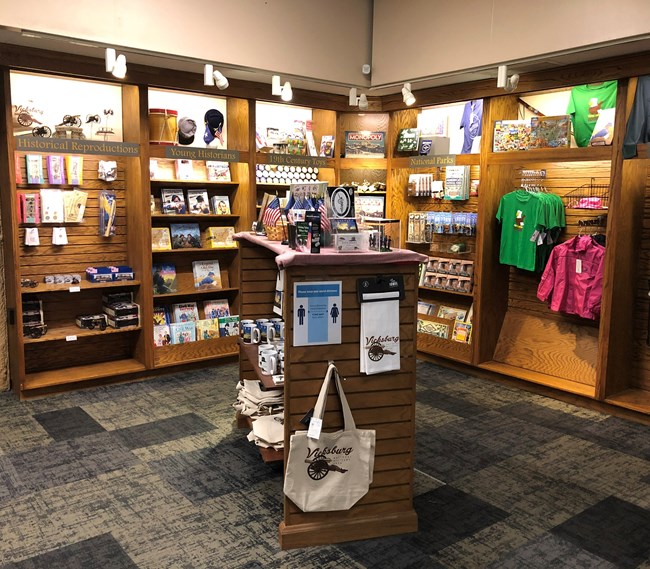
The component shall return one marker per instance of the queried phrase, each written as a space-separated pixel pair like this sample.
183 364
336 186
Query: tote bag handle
319 410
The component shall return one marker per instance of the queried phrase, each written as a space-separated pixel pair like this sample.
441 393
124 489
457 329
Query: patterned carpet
153 475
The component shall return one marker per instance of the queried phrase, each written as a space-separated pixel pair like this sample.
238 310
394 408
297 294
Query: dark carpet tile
430 375
447 515
69 423
231 466
550 551
550 418
395 552
102 552
162 431
624 436
450 404
612 529
69 461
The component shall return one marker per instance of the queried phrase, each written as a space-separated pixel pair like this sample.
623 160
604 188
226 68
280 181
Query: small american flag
324 220
272 212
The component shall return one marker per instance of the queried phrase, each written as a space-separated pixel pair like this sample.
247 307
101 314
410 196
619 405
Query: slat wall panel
384 402
641 377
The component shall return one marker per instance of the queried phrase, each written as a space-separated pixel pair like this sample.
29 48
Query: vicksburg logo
380 339
322 461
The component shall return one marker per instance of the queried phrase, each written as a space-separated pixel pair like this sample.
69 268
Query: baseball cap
213 125
186 130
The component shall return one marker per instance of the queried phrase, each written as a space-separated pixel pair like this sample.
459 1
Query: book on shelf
229 326
311 143
34 169
160 239
451 313
186 311
161 315
182 332
220 205
184 169
511 135
604 128
198 202
364 144
462 332
207 329
433 328
220 237
52 207
74 167
173 201
550 132
327 146
164 278
407 140
457 182
161 335
218 171
55 169
185 235
216 308
426 308
207 274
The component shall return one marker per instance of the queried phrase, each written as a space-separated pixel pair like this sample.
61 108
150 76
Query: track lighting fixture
363 102
509 84
115 64
407 95
278 90
212 76
360 100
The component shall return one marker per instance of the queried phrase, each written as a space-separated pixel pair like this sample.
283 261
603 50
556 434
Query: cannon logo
320 461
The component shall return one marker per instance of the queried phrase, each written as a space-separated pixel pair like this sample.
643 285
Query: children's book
327 146
161 239
462 332
173 201
216 308
218 171
185 235
220 205
34 168
161 335
55 169
604 128
183 332
407 140
207 274
451 313
161 315
207 329
184 170
229 326
198 202
433 328
164 278
185 312
220 237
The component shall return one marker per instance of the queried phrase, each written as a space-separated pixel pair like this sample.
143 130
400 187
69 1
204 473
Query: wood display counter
384 402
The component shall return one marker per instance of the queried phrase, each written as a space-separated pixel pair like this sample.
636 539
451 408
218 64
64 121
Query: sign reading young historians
190 153
76 146
317 313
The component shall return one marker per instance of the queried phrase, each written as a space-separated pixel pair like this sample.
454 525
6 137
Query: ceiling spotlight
115 64
287 93
407 95
220 80
212 76
363 102
509 84
276 86
353 99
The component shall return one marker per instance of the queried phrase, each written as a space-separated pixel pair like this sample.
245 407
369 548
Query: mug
260 324
268 361
250 333
278 324
268 332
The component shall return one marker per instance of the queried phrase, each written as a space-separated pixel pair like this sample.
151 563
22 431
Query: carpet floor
153 475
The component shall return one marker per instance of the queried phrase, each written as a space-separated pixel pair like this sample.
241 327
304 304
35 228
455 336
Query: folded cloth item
269 430
379 346
252 400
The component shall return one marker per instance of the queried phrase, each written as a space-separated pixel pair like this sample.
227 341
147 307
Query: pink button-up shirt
572 281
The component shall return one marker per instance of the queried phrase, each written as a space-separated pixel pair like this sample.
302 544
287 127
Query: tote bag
334 471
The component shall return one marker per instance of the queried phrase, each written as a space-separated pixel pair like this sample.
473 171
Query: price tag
74 289
72 338
578 266
315 425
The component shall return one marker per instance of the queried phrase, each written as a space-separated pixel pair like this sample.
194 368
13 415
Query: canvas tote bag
335 471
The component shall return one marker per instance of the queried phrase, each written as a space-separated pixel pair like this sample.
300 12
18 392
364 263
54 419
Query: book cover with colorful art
207 274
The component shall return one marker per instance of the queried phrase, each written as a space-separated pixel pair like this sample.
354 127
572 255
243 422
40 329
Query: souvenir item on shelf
216 308
511 135
34 167
55 169
220 205
363 144
160 239
59 236
74 204
173 201
107 208
213 121
74 169
604 130
207 274
107 170
217 171
198 202
550 132
52 208
164 278
30 207
185 312
329 471
163 125
207 329
182 332
585 104
185 235
220 237
186 130
407 140
327 146
229 325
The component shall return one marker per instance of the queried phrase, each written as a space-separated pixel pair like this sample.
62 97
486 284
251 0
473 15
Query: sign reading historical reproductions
76 146
426 161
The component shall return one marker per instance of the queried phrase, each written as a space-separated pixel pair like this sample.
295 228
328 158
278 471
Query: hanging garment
585 103
573 279
379 342
638 125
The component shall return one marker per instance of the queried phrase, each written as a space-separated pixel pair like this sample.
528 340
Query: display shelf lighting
285 92
212 76
357 100
504 82
407 95
115 64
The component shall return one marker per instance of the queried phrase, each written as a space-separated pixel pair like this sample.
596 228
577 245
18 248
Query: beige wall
329 40
421 38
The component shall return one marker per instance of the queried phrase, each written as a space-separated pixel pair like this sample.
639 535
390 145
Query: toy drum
163 126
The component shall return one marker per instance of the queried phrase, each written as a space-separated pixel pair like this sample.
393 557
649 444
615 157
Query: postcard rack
588 196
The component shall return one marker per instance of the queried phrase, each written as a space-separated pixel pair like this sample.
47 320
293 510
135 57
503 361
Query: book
164 278
220 237
216 308
185 312
511 135
462 332
30 207
198 202
160 239
457 182
327 146
433 328
220 205
218 171
451 313
182 332
161 315
173 201
207 329
52 210
55 169
161 335
407 140
74 167
184 169
550 132
229 326
604 128
364 144
34 167
207 274
185 235
74 205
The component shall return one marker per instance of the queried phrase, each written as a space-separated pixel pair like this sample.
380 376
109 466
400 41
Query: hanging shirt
471 122
638 125
584 105
573 279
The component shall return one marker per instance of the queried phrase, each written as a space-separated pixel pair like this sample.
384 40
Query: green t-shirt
585 103
520 214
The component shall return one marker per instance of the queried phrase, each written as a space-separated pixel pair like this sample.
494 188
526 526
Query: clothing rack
588 196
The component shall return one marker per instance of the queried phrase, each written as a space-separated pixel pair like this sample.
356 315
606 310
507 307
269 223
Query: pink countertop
287 257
